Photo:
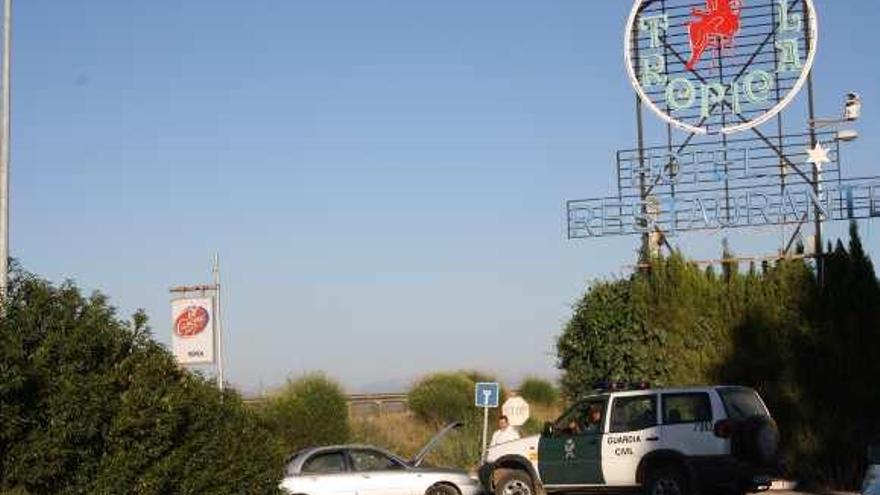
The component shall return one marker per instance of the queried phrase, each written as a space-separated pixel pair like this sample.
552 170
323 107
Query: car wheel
515 483
666 480
442 490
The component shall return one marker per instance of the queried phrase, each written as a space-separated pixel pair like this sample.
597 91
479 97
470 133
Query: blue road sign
486 394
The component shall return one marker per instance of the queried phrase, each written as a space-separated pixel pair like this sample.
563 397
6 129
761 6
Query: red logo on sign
191 322
714 27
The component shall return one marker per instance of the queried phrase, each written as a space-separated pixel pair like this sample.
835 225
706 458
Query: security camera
852 109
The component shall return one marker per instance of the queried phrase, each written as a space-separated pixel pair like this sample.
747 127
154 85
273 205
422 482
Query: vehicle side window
584 418
326 463
742 403
634 413
686 408
370 460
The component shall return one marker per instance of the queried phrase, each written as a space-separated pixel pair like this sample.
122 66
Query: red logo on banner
192 321
715 27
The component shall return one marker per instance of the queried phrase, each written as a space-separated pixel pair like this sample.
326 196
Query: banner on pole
192 336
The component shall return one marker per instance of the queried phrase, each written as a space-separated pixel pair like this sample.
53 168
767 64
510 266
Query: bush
442 398
449 396
90 404
309 411
538 391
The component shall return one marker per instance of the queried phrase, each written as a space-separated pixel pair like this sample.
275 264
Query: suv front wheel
515 482
666 480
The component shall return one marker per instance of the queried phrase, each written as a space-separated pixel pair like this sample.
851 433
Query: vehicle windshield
291 461
742 403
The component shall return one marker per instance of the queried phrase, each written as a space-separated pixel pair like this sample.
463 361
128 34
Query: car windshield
742 403
292 460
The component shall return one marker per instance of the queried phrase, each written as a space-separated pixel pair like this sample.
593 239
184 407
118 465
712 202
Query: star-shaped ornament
818 156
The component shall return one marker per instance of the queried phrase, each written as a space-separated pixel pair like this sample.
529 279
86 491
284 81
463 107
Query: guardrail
363 405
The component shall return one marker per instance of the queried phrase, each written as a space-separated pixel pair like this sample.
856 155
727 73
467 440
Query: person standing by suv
504 433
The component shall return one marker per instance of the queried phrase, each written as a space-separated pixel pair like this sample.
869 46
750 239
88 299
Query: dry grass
405 435
399 432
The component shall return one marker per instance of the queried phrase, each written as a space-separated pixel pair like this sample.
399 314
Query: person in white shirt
505 432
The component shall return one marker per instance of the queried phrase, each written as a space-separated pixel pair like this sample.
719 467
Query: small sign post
486 395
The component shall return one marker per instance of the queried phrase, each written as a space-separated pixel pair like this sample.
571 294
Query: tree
90 404
606 340
839 361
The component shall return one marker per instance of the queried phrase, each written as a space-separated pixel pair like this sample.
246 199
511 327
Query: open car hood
416 461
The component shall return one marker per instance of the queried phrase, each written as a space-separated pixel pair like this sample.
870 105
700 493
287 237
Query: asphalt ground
794 492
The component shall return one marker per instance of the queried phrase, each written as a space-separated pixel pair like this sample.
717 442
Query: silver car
368 470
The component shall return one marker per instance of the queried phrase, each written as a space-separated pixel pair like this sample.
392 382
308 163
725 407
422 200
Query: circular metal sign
517 411
725 67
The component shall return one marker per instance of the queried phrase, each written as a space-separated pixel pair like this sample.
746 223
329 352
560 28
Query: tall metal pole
219 320
4 149
646 247
817 211
818 248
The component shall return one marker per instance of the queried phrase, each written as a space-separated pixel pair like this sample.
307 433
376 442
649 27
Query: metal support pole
817 212
485 429
646 249
218 315
4 148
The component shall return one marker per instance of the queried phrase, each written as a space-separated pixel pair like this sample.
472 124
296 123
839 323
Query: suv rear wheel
757 441
666 480
515 482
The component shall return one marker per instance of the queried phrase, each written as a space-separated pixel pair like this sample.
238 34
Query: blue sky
384 180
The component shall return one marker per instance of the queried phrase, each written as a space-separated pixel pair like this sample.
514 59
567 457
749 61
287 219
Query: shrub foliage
309 411
90 404
449 396
538 391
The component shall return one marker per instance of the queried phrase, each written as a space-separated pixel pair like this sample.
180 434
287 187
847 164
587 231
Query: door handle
652 439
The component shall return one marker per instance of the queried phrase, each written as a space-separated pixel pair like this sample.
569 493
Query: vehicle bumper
871 485
473 488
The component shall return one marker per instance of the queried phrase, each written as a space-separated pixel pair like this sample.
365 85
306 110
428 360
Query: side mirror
548 429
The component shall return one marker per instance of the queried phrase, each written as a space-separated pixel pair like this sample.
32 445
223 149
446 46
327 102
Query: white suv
665 441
